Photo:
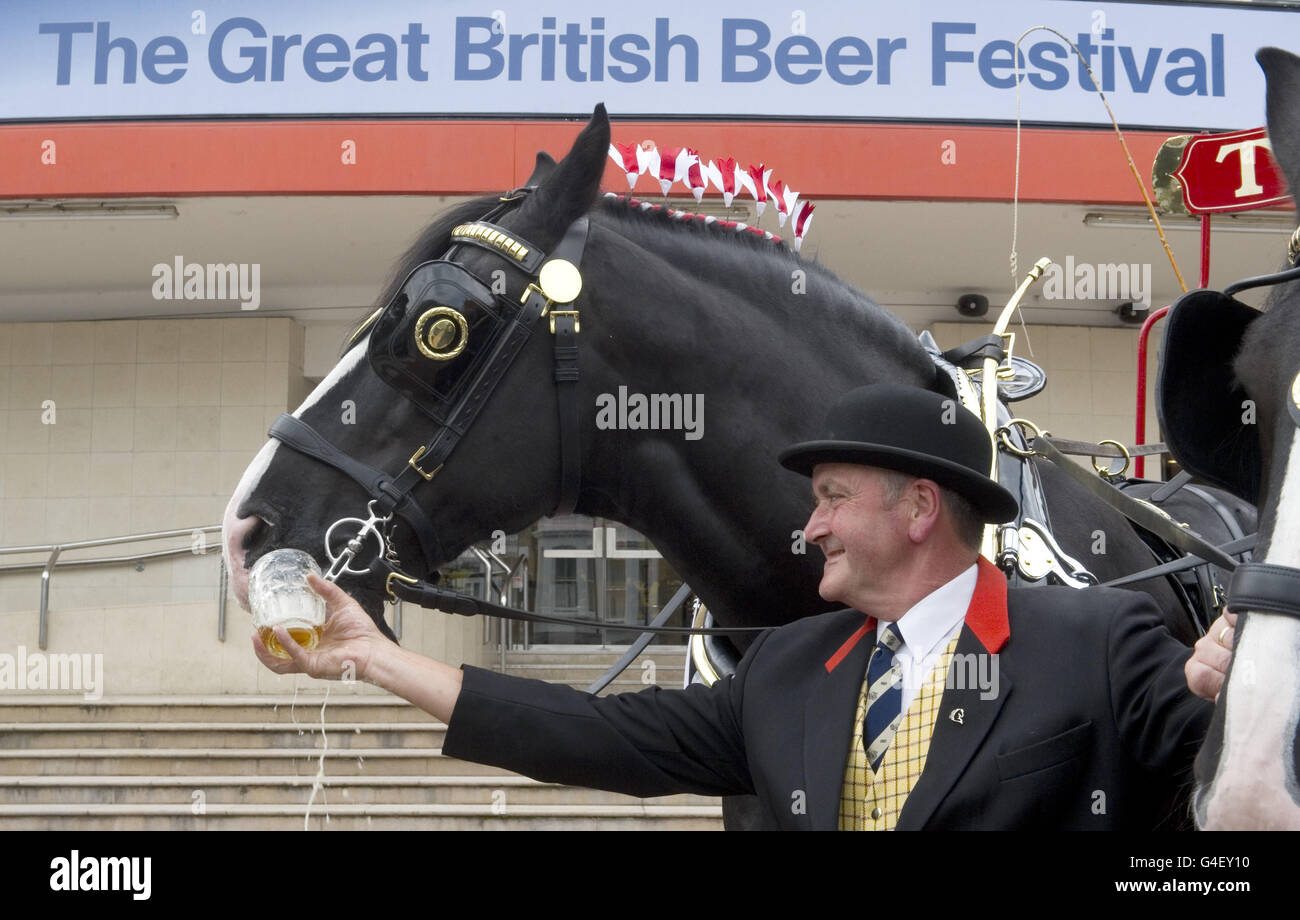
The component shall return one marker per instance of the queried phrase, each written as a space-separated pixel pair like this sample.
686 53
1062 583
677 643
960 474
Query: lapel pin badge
958 716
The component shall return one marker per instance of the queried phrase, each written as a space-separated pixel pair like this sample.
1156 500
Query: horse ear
1282 73
542 170
1199 402
571 188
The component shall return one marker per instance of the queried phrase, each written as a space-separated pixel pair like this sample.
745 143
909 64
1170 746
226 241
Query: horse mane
755 250
751 252
635 208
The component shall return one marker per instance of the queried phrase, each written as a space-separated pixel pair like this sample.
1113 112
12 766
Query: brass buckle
388 583
413 465
577 327
1005 369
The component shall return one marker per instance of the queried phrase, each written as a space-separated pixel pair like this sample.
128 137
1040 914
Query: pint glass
280 596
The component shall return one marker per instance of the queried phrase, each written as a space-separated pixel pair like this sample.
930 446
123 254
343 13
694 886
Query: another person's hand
348 640
1208 666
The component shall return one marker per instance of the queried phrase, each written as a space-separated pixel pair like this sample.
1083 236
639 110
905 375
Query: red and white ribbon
672 165
801 221
625 155
695 180
724 175
757 185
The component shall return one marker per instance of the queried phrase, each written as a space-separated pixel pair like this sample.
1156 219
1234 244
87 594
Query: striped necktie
884 696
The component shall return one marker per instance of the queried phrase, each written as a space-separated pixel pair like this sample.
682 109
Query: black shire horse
1230 406
764 340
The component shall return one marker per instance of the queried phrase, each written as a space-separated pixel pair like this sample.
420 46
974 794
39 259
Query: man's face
864 542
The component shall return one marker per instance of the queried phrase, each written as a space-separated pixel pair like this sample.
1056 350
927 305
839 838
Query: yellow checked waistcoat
872 801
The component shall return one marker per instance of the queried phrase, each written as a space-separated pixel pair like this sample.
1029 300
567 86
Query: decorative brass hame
989 379
441 333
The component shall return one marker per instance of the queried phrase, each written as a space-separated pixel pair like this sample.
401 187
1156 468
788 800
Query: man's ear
926 507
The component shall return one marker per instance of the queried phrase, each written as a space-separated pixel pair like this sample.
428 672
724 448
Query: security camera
972 305
1132 313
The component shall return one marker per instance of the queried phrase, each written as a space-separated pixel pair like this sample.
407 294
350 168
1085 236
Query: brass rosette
441 333
560 281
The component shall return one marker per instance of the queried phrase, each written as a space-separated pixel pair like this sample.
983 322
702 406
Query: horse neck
764 352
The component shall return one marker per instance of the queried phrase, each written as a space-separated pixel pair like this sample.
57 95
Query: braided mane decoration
707 219
683 164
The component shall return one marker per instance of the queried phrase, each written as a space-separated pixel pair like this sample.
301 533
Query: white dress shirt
927 627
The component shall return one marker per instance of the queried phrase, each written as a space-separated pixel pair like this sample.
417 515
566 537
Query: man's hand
349 640
1208 665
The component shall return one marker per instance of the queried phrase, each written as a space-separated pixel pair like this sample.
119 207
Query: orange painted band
819 160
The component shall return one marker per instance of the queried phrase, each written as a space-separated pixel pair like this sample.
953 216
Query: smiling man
937 699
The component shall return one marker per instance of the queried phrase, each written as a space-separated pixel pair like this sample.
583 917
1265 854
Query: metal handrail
56 550
104 560
109 541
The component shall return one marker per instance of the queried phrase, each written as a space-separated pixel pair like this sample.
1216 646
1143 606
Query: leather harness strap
425 594
973 353
1110 451
1169 488
303 438
565 326
566 390
1182 564
1258 586
1137 512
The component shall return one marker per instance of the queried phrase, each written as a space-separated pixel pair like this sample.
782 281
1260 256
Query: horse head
1230 405
287 499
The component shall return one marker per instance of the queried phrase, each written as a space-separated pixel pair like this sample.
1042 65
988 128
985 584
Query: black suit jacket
1089 724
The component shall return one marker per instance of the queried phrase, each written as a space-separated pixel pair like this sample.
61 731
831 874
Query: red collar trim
842 652
986 616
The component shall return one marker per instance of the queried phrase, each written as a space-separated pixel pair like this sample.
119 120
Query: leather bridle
555 282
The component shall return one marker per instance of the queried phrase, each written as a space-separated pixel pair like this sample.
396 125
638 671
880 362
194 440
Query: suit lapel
828 725
964 718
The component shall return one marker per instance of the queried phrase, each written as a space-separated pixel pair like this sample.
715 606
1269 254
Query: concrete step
136 763
93 735
228 761
283 709
288 791
638 817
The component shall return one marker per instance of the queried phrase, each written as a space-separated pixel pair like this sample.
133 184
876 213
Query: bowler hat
912 431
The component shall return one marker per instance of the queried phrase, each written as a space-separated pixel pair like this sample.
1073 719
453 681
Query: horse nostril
256 536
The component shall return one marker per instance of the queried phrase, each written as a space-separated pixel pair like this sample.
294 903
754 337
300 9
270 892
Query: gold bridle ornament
447 336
